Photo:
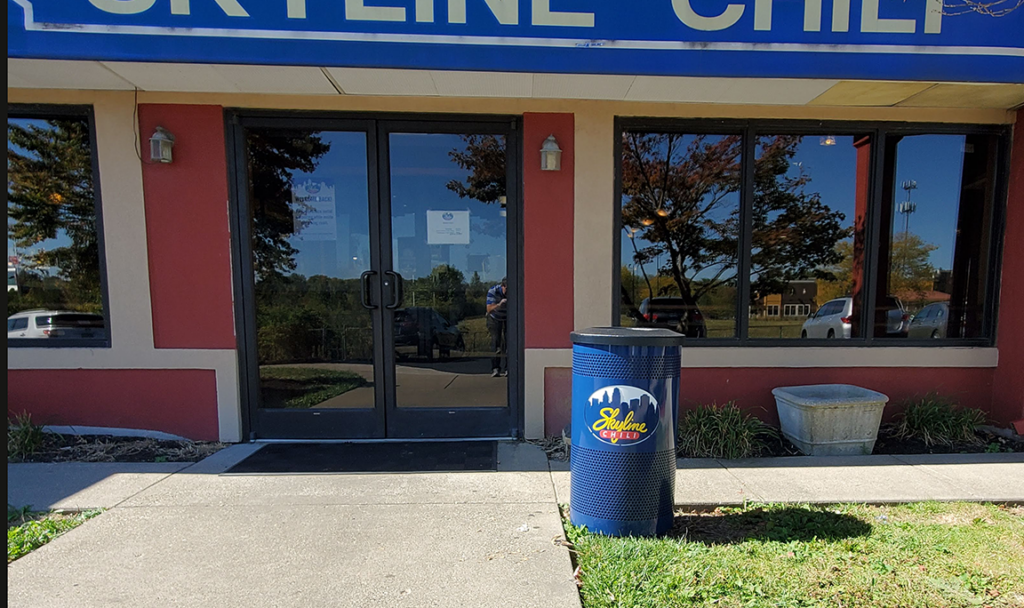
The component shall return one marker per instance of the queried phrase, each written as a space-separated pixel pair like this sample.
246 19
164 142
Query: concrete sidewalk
192 536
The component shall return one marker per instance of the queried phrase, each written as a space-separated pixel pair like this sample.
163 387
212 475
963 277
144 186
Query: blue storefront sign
858 39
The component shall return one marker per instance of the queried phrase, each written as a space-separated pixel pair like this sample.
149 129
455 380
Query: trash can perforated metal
625 386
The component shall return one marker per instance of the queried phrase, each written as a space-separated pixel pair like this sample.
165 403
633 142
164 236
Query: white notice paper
448 227
313 206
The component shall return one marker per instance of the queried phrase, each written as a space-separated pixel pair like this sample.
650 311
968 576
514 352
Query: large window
55 281
788 233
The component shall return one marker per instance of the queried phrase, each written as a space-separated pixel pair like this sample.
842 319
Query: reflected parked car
420 330
832 320
897 319
56 324
673 313
930 322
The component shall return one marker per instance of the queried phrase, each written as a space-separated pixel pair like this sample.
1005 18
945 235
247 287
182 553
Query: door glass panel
448 228
311 243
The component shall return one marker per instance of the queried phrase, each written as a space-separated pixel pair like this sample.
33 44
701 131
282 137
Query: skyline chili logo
622 415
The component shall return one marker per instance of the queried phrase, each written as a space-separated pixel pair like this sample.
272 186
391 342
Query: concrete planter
830 419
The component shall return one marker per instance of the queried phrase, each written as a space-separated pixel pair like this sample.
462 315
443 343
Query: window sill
907 355
58 343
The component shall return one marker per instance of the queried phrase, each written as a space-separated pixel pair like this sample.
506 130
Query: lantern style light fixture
161 145
828 140
550 155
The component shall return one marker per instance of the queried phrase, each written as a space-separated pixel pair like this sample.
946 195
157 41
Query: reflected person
497 324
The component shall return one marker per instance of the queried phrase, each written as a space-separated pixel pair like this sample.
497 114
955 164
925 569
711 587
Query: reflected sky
936 163
421 168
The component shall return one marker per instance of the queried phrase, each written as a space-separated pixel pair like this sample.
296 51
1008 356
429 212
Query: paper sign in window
448 227
313 206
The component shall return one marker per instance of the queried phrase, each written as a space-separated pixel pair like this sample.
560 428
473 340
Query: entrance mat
406 457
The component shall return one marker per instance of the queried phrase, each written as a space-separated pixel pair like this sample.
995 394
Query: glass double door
374 256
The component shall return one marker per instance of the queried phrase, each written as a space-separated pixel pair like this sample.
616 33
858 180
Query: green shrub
936 421
721 431
23 437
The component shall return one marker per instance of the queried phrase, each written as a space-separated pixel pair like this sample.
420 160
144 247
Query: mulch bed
107 448
889 444
557 449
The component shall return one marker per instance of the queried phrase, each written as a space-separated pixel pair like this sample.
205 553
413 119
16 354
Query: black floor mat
409 457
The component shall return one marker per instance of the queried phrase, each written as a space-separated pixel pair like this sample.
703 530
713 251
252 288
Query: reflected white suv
55 324
833 320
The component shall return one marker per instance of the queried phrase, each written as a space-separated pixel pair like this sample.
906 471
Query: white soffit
287 80
579 86
483 84
276 79
201 78
668 89
761 91
775 91
51 74
359 81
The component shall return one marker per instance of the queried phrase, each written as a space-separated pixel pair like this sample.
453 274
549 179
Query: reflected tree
274 157
679 203
49 195
484 159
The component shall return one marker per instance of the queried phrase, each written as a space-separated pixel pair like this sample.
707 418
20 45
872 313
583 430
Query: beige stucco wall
124 227
124 231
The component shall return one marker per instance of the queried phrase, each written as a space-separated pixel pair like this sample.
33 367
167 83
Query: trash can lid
627 336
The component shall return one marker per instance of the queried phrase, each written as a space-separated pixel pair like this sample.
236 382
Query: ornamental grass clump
23 437
936 421
722 431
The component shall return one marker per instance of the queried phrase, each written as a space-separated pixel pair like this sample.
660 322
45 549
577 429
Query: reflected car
897 319
673 313
930 322
56 324
834 319
420 330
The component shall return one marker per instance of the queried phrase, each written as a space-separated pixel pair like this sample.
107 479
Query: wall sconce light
550 155
161 145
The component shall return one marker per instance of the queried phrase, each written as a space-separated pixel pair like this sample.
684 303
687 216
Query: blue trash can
625 387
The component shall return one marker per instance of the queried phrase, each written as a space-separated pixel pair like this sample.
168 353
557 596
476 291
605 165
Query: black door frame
385 421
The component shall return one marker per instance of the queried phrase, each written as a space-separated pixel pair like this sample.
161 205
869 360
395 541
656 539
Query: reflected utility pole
908 207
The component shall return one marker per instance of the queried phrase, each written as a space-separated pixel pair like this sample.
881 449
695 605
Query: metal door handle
364 280
397 291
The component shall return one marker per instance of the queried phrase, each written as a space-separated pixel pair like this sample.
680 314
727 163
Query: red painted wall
751 387
178 401
548 233
188 230
1008 390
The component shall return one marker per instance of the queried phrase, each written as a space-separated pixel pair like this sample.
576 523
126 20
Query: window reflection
53 274
449 244
680 217
810 207
309 207
936 215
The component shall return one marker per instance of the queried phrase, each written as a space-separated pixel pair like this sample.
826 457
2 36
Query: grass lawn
27 530
926 555
305 387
